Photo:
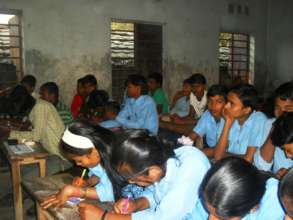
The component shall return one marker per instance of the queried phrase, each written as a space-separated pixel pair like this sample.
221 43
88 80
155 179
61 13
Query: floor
6 209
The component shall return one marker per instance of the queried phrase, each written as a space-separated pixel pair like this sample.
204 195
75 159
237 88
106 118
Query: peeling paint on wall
67 71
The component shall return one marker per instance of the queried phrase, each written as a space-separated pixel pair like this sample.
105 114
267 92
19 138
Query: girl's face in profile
146 177
89 160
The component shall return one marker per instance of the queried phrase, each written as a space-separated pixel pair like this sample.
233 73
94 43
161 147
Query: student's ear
95 153
155 172
247 110
254 209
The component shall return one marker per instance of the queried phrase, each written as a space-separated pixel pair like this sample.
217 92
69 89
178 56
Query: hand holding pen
80 180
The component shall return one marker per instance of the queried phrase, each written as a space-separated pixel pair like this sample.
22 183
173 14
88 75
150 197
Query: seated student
286 194
111 111
29 82
19 102
198 99
155 81
243 130
140 110
50 92
211 122
88 147
90 84
269 157
180 104
78 99
234 189
47 128
168 175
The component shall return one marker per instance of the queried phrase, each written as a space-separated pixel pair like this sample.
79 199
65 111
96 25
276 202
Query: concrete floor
7 210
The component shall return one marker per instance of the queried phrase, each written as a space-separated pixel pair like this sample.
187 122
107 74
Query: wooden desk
178 128
16 161
41 188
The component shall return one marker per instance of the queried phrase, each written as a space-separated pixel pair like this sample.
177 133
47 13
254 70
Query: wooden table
41 188
16 161
178 128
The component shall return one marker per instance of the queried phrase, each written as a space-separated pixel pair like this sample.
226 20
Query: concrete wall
280 42
65 39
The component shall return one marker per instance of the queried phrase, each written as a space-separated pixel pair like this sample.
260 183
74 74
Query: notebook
18 148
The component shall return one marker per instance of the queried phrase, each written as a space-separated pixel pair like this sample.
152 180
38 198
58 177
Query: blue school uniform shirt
175 195
208 127
104 188
110 124
269 207
279 160
250 134
140 113
181 107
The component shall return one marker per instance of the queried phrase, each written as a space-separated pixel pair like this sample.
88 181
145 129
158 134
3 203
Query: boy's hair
113 107
187 81
51 87
80 81
138 80
285 91
198 78
283 130
90 79
247 94
217 90
97 98
157 77
29 80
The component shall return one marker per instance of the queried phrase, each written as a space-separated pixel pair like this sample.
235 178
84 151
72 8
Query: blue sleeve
257 132
181 198
110 124
200 127
147 119
260 163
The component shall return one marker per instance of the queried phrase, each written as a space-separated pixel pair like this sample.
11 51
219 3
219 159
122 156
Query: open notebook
18 148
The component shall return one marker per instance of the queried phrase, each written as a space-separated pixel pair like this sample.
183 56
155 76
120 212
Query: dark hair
113 107
157 77
247 94
138 80
139 150
51 88
285 91
187 81
19 102
80 81
90 79
29 80
286 189
198 78
97 98
233 187
102 139
217 90
282 132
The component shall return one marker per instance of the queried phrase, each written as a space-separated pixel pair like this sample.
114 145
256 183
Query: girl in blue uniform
89 147
234 189
171 177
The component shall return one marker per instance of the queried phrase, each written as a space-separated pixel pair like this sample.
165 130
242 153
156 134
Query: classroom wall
280 42
63 40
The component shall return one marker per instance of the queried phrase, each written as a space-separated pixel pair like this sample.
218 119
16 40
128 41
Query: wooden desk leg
17 193
40 213
42 165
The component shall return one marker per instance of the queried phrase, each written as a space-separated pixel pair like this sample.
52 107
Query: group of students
177 183
164 181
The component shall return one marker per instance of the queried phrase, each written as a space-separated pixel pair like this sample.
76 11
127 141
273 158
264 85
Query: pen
81 177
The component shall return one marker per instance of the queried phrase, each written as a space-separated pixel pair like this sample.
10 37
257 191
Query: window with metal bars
236 54
10 48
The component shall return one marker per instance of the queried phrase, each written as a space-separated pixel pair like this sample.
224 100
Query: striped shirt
65 113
